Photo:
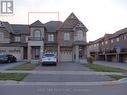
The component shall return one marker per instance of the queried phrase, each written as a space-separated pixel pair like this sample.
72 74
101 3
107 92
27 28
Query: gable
72 22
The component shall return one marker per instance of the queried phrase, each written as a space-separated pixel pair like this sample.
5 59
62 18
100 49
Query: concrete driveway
65 77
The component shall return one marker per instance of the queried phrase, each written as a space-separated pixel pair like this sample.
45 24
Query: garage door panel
66 56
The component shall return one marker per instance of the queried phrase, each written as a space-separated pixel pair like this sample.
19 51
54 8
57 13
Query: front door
35 52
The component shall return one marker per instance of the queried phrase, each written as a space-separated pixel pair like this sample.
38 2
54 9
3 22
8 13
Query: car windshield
49 55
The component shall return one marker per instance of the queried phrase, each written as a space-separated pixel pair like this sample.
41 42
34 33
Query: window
1 36
50 37
17 39
79 35
102 43
117 39
124 37
37 33
66 36
112 41
106 42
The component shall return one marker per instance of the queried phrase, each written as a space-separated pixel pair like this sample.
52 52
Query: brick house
110 47
66 39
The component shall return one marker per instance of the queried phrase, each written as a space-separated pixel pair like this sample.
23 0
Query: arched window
37 33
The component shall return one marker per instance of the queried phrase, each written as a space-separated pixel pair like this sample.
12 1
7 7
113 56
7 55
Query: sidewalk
112 64
11 65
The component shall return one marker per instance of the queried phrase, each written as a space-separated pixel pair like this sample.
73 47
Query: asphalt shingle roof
20 29
71 22
52 26
122 31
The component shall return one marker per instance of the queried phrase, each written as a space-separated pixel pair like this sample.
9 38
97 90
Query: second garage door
66 56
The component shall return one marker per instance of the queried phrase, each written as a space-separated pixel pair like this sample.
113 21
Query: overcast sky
99 16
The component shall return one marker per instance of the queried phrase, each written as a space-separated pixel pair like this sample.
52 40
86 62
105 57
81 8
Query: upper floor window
111 40
50 37
17 39
102 43
125 37
79 35
37 33
1 36
117 39
106 42
66 36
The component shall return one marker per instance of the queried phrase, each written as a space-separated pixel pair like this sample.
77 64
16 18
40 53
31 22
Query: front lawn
117 77
102 68
12 76
26 66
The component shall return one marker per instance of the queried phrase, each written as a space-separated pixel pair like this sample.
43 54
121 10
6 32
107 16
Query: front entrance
35 52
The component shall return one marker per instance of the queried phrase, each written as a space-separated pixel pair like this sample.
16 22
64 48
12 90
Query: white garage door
66 56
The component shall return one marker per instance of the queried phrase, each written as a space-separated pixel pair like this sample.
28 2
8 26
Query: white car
49 59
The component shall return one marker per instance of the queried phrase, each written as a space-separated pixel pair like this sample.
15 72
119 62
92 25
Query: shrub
90 60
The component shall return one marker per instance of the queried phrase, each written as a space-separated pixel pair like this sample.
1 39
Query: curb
120 81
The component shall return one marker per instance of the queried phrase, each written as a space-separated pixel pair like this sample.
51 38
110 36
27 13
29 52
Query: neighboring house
111 47
67 39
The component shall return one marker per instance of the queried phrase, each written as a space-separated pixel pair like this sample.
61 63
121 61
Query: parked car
49 59
7 58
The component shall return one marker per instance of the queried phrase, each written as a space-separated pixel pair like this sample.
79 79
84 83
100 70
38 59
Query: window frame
35 31
66 36
51 38
17 39
1 36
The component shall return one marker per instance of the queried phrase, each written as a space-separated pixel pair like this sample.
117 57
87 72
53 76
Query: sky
99 16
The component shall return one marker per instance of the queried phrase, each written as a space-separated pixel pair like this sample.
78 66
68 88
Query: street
63 90
64 79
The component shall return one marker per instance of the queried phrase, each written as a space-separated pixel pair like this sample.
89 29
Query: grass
117 77
102 68
26 66
12 76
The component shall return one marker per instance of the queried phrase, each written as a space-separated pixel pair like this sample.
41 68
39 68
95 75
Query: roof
20 29
12 44
71 22
7 26
107 36
37 24
122 31
96 41
52 26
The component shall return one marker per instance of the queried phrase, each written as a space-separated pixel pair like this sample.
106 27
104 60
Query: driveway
63 67
65 77
10 65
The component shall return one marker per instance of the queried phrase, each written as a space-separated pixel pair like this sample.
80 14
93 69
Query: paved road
119 89
62 80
